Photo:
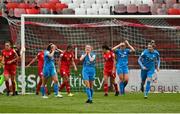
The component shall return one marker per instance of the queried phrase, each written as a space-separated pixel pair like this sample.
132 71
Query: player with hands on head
49 70
122 52
89 59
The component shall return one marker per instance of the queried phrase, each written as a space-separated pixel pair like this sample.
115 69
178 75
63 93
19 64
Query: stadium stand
14 8
143 8
73 5
4 32
96 6
104 11
80 11
161 11
68 11
32 11
120 9
92 11
132 9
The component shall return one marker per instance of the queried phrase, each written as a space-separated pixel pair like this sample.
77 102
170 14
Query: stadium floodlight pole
23 54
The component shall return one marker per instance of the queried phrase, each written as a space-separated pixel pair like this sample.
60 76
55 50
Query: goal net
35 32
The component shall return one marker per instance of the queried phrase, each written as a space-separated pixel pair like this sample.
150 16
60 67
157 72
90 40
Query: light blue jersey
122 61
122 57
49 65
89 70
149 60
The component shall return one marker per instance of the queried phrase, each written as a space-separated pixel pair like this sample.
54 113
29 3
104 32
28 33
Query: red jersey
66 59
9 55
108 61
40 58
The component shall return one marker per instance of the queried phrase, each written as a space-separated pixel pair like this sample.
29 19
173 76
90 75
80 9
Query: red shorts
10 70
109 74
64 72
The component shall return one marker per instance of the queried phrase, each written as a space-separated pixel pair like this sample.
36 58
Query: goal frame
23 16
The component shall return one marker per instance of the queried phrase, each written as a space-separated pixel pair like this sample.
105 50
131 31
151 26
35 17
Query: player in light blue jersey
88 58
122 54
49 70
155 78
148 60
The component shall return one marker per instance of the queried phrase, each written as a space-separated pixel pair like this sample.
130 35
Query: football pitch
131 102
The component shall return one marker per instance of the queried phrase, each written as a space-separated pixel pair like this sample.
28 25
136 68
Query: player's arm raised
117 46
32 61
131 47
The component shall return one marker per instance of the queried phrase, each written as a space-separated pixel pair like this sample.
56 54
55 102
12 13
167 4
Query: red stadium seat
173 11
24 5
132 8
54 1
12 5
143 8
119 9
48 6
61 6
18 12
32 11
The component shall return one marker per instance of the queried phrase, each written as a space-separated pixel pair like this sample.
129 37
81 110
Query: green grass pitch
131 102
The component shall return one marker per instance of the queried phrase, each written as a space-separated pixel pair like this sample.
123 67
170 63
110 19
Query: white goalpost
39 30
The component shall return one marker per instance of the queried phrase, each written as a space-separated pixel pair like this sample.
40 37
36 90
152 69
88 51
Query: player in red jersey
65 60
40 59
9 60
109 69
